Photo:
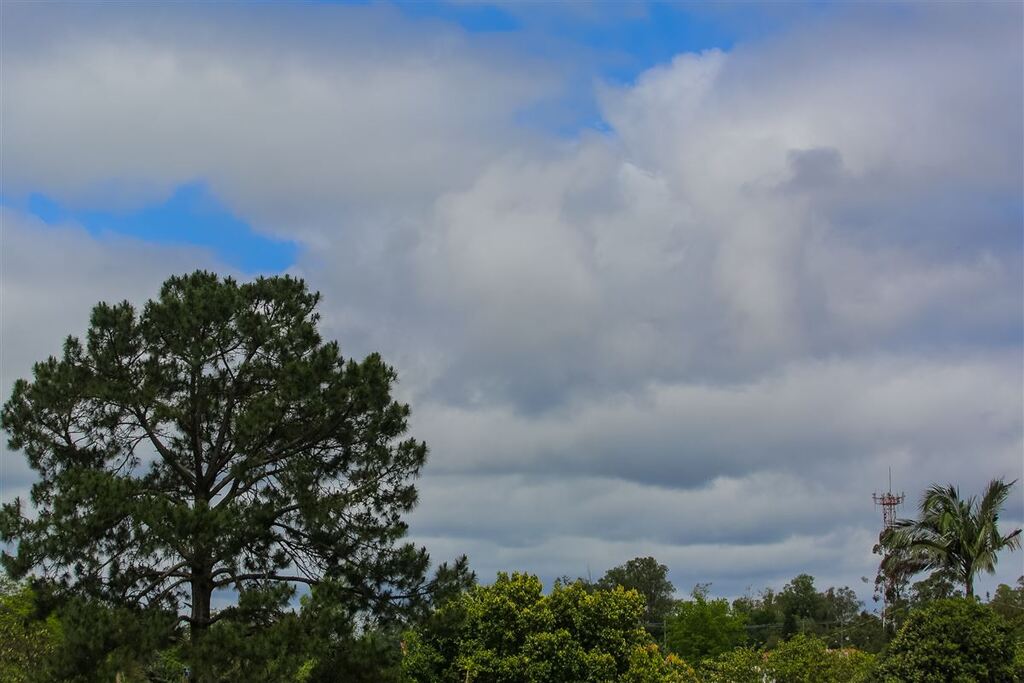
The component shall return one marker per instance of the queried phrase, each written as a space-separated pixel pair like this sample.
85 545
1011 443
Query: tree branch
163 450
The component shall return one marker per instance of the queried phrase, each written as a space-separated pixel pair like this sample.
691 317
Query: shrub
802 659
951 640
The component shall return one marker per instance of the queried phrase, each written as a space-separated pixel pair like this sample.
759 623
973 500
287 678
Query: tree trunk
202 591
970 586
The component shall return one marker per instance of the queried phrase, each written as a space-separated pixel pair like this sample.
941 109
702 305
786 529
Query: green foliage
958 535
101 641
1008 602
805 659
700 628
263 641
510 631
939 585
834 615
802 659
742 665
648 578
28 640
215 441
951 640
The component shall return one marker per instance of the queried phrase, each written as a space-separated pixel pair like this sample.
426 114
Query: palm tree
956 534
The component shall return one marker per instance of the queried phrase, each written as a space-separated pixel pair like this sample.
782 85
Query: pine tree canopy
214 441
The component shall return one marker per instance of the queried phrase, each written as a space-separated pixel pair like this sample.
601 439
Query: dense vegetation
213 447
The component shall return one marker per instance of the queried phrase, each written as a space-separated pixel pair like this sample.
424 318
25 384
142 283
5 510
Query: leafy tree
839 606
1009 603
742 665
28 639
864 632
647 577
802 605
701 628
802 659
213 440
805 659
763 615
953 533
951 640
510 631
835 615
939 585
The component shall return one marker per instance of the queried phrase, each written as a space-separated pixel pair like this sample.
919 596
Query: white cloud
786 268
292 118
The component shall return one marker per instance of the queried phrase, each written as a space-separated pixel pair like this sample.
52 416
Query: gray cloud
703 336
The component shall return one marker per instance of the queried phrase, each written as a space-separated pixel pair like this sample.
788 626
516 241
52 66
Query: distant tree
864 632
802 605
957 534
510 631
700 628
834 615
649 578
1008 602
801 598
839 610
763 616
939 585
951 640
214 441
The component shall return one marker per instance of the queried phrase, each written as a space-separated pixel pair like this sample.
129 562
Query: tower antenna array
889 502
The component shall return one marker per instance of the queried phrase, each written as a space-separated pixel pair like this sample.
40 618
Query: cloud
703 334
293 118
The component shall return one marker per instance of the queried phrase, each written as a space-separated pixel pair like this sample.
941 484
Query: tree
805 659
512 632
953 533
802 659
939 585
28 640
701 628
802 605
1008 602
763 616
649 578
212 441
951 640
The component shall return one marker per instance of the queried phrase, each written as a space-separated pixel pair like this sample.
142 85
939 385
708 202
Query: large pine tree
214 441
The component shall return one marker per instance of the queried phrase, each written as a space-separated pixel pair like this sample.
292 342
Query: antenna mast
889 502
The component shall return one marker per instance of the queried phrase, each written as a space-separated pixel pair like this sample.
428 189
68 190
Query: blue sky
191 215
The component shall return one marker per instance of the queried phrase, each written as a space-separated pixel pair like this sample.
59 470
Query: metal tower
889 502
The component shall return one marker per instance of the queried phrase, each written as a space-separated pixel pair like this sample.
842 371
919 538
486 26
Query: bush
951 640
802 659
512 632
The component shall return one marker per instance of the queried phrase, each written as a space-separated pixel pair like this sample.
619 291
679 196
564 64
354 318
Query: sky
680 281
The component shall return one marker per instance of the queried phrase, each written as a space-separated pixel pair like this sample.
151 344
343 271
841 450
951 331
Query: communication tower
889 502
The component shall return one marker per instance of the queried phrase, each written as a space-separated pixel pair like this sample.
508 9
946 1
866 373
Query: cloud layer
703 334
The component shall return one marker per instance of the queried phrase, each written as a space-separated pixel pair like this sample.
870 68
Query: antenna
889 502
